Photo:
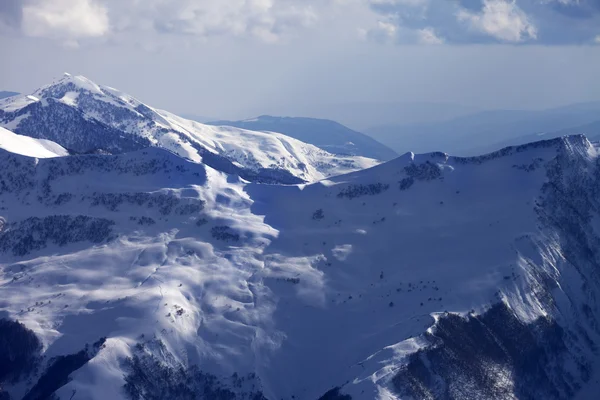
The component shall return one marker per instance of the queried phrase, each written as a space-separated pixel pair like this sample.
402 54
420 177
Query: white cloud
64 19
597 39
263 19
428 36
70 20
502 19
381 32
390 21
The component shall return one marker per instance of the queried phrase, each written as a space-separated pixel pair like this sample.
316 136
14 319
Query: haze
238 59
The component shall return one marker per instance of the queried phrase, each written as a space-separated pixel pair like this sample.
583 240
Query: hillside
84 117
325 134
26 146
427 277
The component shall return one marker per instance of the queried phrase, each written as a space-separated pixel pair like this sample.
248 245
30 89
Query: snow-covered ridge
380 284
429 166
325 134
28 146
83 116
424 251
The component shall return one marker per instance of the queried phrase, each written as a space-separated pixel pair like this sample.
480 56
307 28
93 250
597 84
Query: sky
241 58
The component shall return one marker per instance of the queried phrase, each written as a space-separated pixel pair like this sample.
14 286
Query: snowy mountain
325 134
85 117
147 276
26 146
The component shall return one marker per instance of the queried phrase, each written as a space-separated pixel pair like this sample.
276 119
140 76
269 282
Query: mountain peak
70 84
84 116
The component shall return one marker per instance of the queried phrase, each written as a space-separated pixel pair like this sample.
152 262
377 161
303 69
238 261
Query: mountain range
115 122
4 94
133 266
325 134
486 131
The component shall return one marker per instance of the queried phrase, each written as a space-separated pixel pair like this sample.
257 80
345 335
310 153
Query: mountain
484 131
145 275
26 146
85 117
4 94
361 115
591 131
325 134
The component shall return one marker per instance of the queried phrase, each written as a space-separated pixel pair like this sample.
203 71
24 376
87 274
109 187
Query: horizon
239 60
469 109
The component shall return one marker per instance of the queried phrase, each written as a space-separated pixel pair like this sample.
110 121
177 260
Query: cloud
496 21
383 21
428 36
263 19
383 32
64 19
500 19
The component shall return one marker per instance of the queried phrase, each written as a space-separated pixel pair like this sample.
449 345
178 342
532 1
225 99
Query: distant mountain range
325 134
591 131
487 130
4 94
360 115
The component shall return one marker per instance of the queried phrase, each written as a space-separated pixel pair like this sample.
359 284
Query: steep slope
85 117
427 277
424 254
27 146
325 134
98 250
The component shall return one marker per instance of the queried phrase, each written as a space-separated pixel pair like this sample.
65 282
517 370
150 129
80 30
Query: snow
14 124
421 242
306 304
251 150
30 147
14 103
84 83
70 98
255 280
256 150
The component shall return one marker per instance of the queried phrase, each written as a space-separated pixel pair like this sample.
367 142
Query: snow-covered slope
27 146
144 275
325 134
84 117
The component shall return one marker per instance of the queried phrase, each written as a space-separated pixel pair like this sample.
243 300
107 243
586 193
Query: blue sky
237 57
